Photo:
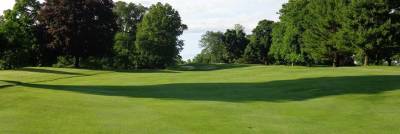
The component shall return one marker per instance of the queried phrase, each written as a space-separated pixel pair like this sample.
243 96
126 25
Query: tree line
313 32
90 33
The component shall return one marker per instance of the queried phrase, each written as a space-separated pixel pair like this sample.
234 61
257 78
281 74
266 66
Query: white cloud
211 15
6 4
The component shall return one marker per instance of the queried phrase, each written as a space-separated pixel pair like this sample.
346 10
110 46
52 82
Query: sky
210 15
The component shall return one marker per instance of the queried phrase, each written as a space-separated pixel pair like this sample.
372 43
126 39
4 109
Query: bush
97 63
15 59
64 61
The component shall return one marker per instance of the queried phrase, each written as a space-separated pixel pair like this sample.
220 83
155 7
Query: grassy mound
200 98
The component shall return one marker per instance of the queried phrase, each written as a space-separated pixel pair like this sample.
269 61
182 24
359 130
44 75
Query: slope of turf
201 99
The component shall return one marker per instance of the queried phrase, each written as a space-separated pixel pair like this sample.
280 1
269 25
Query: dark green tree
18 28
129 15
80 28
392 48
260 43
287 46
157 38
235 43
324 37
369 24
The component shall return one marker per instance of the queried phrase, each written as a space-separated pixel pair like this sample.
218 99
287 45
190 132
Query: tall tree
287 43
392 48
157 38
129 15
18 28
324 37
260 43
80 28
277 49
369 24
235 43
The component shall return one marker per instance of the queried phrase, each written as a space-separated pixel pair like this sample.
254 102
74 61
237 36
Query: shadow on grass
144 71
43 70
275 91
206 67
5 86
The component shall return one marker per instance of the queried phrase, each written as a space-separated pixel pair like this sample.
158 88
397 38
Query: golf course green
201 99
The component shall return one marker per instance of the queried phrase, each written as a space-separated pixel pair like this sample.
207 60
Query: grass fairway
201 99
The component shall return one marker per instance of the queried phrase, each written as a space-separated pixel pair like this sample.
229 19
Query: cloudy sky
210 15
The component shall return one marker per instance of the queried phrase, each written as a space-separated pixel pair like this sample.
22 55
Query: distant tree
324 37
203 58
370 24
260 42
235 43
80 28
129 15
18 28
157 38
213 46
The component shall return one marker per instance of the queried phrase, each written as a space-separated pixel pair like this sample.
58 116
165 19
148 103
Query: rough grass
201 99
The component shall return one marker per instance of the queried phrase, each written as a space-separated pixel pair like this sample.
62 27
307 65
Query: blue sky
210 15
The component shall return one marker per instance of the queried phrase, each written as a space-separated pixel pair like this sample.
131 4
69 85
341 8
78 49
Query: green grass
201 99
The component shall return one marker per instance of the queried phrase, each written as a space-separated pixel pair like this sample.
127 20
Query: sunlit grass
201 99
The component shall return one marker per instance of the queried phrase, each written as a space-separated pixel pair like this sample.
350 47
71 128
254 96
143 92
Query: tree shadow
274 91
42 70
5 84
144 71
206 67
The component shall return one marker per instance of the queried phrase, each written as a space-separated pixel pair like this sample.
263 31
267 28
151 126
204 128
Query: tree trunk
366 60
389 61
335 59
77 62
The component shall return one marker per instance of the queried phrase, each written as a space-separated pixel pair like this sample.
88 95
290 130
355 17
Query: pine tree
369 23
324 37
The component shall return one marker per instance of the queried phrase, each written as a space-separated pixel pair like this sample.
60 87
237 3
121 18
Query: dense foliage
324 40
328 32
157 39
213 48
104 34
260 43
17 38
129 15
89 33
80 28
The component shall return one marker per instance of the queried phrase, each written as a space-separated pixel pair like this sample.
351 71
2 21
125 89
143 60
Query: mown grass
201 99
